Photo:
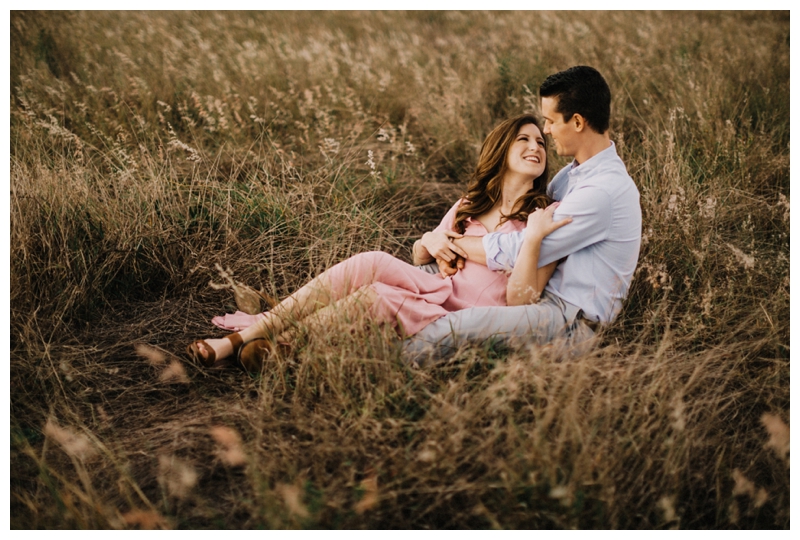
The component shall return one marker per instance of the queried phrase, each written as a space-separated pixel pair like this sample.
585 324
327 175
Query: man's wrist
473 247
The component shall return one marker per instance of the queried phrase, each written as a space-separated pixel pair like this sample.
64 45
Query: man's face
562 133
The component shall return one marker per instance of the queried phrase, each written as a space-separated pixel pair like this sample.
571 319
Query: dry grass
148 147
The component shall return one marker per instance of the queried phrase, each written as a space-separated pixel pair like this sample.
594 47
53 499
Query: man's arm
473 247
590 209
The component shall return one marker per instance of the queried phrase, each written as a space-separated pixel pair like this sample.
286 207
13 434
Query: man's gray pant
550 321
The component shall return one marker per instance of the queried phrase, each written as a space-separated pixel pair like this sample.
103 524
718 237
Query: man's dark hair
582 90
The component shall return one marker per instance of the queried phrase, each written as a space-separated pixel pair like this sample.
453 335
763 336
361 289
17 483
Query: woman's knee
369 264
372 258
359 270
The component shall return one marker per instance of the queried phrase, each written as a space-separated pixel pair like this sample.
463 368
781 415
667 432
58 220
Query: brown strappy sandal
252 355
194 351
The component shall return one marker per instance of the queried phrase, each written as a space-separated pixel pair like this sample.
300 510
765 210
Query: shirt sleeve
590 208
448 222
502 249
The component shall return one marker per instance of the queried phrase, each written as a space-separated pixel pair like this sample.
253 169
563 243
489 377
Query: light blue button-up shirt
601 244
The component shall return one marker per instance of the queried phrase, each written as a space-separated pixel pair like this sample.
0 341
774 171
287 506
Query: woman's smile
527 153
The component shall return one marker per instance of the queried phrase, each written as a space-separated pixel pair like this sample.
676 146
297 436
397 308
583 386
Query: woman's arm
527 280
419 254
436 245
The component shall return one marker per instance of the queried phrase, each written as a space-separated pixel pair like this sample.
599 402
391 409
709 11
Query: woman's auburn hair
486 184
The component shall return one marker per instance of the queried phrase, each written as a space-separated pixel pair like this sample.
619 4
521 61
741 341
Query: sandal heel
252 355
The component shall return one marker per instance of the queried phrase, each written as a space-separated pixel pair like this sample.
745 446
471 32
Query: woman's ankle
235 340
221 348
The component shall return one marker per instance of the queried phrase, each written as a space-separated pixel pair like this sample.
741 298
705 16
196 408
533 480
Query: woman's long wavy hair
486 185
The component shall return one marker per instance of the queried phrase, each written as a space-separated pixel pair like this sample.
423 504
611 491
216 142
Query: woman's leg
350 308
334 284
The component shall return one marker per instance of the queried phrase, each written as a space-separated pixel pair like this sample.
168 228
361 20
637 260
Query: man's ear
578 122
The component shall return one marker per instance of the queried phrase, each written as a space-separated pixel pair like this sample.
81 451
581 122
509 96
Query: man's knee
444 336
431 344
526 323
505 326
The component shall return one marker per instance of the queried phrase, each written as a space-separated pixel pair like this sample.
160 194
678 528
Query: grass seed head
292 497
74 444
178 476
232 452
174 372
145 519
151 354
778 435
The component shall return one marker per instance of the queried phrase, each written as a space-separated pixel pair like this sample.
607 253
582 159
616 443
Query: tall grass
148 147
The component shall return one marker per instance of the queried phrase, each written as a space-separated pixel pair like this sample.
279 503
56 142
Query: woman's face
527 155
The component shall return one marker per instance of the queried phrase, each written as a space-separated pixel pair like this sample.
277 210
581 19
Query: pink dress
410 298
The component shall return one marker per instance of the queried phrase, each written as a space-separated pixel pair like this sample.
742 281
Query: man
601 244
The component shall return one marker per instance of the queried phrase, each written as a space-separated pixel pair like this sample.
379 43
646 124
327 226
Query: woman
506 190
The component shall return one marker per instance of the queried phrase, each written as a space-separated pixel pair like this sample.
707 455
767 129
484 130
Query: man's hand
447 269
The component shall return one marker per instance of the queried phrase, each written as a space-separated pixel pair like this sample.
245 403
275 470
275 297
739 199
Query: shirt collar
594 161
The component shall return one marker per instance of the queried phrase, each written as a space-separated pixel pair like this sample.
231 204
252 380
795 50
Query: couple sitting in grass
516 260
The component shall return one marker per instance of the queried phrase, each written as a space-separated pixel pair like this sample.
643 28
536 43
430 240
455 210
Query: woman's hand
540 223
439 245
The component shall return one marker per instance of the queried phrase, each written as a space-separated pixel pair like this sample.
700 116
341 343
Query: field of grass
148 148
